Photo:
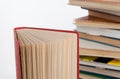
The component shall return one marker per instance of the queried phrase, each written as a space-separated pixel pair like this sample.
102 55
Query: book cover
104 15
100 62
99 52
105 1
111 7
104 72
110 33
91 21
97 76
100 39
109 66
84 43
19 59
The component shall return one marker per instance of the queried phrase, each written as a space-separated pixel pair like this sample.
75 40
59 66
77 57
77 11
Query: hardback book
86 76
101 71
101 62
93 42
84 43
89 75
105 1
107 6
100 39
92 48
104 15
110 33
46 53
99 53
91 21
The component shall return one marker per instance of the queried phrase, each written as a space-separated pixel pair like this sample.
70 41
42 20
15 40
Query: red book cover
17 49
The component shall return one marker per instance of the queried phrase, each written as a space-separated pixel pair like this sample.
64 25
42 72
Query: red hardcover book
52 68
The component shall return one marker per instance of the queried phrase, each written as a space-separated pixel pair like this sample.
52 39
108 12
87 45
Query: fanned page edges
58 38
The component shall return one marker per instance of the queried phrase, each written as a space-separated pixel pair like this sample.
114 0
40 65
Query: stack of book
99 39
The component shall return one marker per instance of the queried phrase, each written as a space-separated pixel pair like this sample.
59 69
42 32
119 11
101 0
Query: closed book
104 15
110 33
96 45
101 71
99 53
100 39
93 48
111 7
105 1
95 76
101 62
91 21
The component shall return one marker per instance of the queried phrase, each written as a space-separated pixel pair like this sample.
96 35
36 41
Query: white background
30 13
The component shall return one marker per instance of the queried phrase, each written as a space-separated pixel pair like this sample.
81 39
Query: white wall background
30 13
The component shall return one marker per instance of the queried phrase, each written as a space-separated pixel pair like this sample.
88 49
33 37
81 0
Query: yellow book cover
88 58
114 62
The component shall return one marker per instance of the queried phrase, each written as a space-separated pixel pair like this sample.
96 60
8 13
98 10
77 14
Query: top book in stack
106 6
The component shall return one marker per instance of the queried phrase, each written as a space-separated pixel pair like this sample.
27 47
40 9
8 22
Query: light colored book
94 45
91 21
99 31
107 6
105 1
104 15
100 39
90 48
99 53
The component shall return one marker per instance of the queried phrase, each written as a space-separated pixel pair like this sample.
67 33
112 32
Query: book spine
78 54
17 57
